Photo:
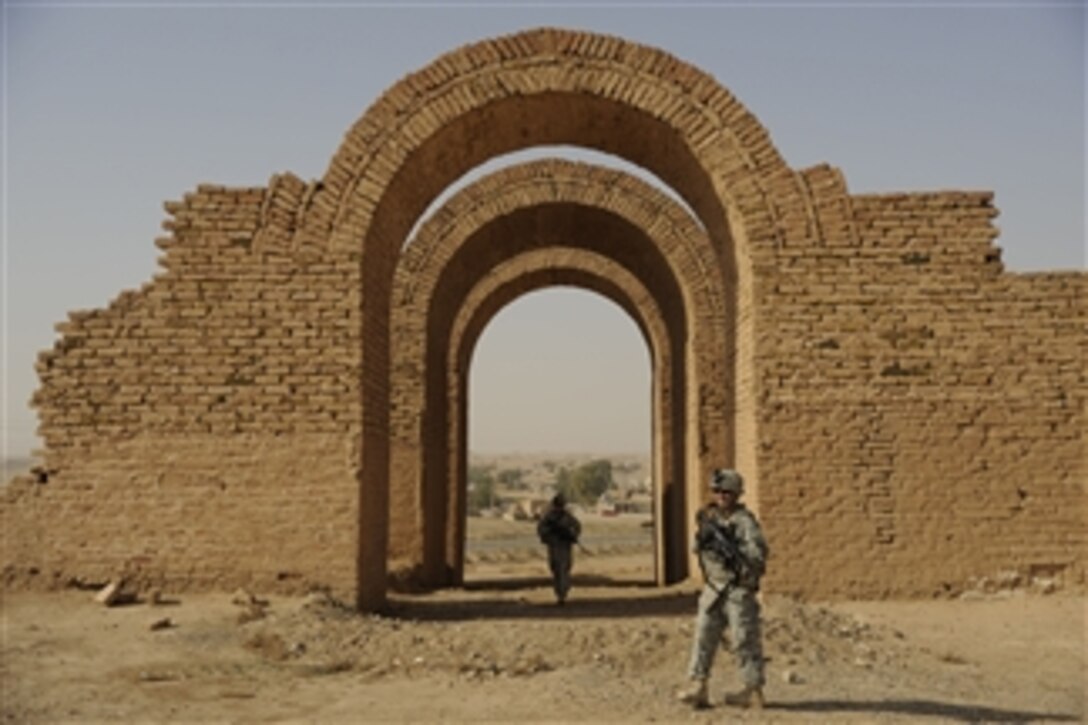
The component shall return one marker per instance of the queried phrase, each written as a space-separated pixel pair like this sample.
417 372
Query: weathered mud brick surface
282 405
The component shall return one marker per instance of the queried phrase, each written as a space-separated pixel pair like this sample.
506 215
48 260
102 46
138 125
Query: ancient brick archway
540 87
243 417
498 218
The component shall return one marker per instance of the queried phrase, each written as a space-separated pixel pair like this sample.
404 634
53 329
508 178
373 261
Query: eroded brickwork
924 409
200 430
909 415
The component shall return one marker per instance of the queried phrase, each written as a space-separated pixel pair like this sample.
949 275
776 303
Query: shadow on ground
951 711
507 584
589 598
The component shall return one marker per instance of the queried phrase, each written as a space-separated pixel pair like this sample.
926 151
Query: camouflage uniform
729 599
559 530
733 556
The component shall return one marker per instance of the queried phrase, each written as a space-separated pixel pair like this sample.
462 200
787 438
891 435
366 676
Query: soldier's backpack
559 527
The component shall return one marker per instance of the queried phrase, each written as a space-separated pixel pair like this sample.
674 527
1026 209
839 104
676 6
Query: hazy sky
109 109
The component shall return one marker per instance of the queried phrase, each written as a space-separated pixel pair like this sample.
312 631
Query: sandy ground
501 650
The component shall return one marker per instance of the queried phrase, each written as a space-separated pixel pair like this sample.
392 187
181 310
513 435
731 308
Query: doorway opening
560 401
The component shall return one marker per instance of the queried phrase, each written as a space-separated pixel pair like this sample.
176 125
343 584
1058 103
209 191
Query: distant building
610 505
526 509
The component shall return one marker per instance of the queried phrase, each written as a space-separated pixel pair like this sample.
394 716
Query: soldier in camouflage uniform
733 554
559 530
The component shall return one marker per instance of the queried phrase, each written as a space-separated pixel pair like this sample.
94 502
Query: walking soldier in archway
559 530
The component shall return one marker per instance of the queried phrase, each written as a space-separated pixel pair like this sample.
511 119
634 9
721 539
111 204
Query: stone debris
155 676
108 594
253 607
318 600
1045 586
251 613
1005 584
268 645
164 623
114 594
799 638
245 598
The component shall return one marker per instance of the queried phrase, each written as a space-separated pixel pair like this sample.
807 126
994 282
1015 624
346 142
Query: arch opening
560 378
561 231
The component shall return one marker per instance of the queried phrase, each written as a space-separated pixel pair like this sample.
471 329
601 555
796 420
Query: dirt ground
501 650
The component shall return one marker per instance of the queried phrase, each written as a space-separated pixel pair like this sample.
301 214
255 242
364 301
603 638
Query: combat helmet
726 479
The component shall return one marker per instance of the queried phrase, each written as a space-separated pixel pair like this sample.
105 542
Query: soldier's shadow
649 601
535 582
922 708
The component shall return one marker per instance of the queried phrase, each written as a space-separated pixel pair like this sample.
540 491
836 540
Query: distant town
520 486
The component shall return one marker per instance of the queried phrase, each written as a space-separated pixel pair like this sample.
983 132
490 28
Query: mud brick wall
910 415
920 410
923 417
920 416
198 430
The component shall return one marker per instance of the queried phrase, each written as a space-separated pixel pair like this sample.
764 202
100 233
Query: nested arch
538 88
684 244
498 200
420 457
529 207
511 280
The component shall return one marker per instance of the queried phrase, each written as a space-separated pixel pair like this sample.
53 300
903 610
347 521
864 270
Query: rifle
722 541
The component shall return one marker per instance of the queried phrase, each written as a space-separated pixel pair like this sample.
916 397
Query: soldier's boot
749 697
695 694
